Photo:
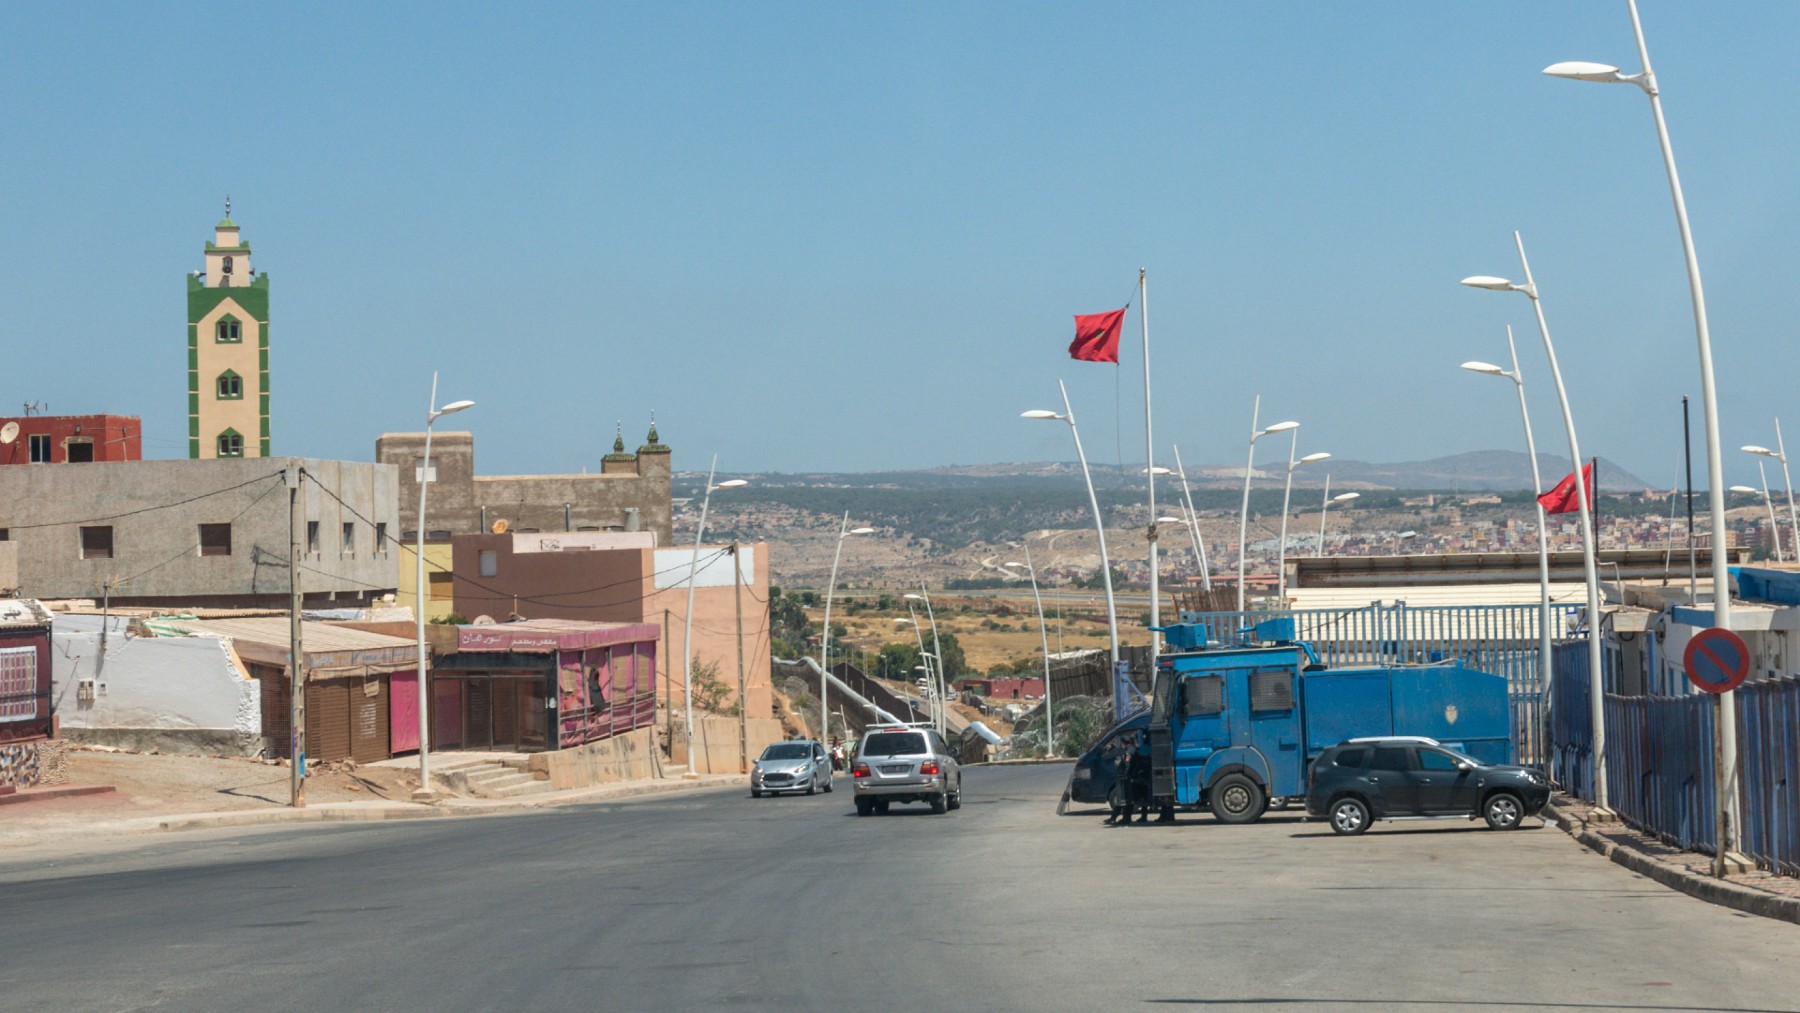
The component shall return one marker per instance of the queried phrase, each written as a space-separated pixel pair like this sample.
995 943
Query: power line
148 509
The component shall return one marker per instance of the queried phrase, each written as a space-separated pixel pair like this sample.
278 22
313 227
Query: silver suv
905 763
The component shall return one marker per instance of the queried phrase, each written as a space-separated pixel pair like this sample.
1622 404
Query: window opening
97 542
40 447
231 444
1203 696
18 683
215 539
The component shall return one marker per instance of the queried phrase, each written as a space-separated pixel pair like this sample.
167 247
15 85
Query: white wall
171 693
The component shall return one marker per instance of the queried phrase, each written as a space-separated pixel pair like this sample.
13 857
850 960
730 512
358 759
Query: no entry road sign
1716 660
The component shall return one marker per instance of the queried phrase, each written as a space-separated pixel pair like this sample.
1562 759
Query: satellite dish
500 526
483 621
9 432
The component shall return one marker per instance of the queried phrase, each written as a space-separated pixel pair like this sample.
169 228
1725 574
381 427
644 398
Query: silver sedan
799 765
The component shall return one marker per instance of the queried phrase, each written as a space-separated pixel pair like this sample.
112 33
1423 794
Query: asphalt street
711 900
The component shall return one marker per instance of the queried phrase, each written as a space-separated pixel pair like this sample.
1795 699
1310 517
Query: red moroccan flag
1564 499
1097 336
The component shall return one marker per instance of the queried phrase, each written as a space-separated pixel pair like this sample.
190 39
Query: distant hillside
1482 470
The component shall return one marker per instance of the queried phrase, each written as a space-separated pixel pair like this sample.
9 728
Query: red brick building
71 439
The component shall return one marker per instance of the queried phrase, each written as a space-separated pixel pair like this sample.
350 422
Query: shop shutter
277 709
369 719
328 720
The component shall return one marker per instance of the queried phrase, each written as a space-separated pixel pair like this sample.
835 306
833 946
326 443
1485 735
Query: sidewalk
1755 892
354 812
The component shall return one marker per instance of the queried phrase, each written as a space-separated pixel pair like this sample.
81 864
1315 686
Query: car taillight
928 767
860 770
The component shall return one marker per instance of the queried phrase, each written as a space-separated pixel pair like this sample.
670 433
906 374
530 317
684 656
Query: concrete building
70 439
622 577
629 493
201 533
228 351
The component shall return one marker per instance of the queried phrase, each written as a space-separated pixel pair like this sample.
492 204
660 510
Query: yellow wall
437 558
243 357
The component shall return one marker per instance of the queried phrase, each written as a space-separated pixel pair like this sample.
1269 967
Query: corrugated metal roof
328 648
1435 594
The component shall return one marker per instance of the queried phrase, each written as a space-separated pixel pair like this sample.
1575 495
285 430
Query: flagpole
1150 475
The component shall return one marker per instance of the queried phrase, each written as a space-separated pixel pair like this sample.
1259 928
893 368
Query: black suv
1362 780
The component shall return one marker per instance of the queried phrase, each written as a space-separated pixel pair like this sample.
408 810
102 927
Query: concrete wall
9 568
715 749
715 619
177 694
462 503
155 535
628 757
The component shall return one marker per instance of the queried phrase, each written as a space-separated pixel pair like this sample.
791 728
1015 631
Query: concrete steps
494 779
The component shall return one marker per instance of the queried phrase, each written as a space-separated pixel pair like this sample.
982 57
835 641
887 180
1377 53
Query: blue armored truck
1232 727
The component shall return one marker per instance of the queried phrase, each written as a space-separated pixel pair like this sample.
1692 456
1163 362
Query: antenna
35 408
9 432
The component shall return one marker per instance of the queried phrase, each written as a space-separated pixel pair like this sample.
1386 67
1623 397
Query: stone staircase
493 778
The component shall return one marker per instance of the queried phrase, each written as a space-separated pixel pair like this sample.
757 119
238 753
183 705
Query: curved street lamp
1249 469
1780 454
825 636
1545 654
1044 636
1342 497
1193 523
937 652
1768 503
432 414
1112 611
1596 666
1286 497
687 620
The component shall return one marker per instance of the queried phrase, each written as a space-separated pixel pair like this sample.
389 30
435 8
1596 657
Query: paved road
712 900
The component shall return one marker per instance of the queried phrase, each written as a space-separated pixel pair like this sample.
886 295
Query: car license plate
896 768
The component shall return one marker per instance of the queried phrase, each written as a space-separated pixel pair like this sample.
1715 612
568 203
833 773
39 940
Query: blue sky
847 237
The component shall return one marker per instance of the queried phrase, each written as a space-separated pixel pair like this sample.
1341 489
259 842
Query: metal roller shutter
328 720
369 719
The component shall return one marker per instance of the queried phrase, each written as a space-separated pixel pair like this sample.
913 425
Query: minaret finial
228 205
619 437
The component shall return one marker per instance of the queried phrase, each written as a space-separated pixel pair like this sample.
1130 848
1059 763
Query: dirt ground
163 785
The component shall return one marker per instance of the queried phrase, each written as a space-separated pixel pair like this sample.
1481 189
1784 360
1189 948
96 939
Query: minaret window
229 331
230 386
231 444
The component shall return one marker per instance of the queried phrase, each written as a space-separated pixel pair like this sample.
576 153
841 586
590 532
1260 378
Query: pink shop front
543 684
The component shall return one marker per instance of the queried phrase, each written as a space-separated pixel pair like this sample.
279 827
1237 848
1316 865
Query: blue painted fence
1659 757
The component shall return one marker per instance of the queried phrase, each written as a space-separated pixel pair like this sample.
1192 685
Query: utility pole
737 594
668 676
296 659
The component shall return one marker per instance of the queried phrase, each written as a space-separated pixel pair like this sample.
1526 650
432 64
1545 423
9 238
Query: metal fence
1500 639
1769 761
1659 759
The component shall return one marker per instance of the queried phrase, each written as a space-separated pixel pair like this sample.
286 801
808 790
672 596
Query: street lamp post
937 651
1342 497
919 633
1725 710
432 414
1780 454
1249 469
1044 636
1193 523
825 636
1112 612
1596 671
1545 656
1764 493
687 620
1287 494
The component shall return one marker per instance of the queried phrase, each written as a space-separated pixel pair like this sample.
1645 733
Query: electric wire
148 509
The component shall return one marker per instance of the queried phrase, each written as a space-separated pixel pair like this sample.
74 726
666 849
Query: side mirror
1464 766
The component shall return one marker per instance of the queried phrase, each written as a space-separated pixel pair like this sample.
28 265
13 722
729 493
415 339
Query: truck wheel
1237 799
1503 811
1349 816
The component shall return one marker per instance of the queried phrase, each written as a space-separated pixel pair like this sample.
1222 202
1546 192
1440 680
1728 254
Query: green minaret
228 351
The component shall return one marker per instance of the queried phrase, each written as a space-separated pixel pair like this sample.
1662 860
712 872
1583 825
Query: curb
1706 888
270 817
57 791
589 796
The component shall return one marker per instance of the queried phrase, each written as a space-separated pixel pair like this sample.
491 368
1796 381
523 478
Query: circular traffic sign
1716 660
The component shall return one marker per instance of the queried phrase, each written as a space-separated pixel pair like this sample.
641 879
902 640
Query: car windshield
787 751
894 744
1460 757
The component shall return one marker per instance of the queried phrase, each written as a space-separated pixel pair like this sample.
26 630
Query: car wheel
939 805
1349 816
810 788
956 799
864 807
828 786
755 794
1503 811
1237 799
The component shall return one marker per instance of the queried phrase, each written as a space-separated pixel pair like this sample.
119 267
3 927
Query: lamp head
1013 563
909 596
1484 367
1280 427
1490 282
1754 449
1170 520
1407 534
731 483
1345 497
449 409
1039 413
1746 489
860 531
1159 470
1581 70
1311 459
